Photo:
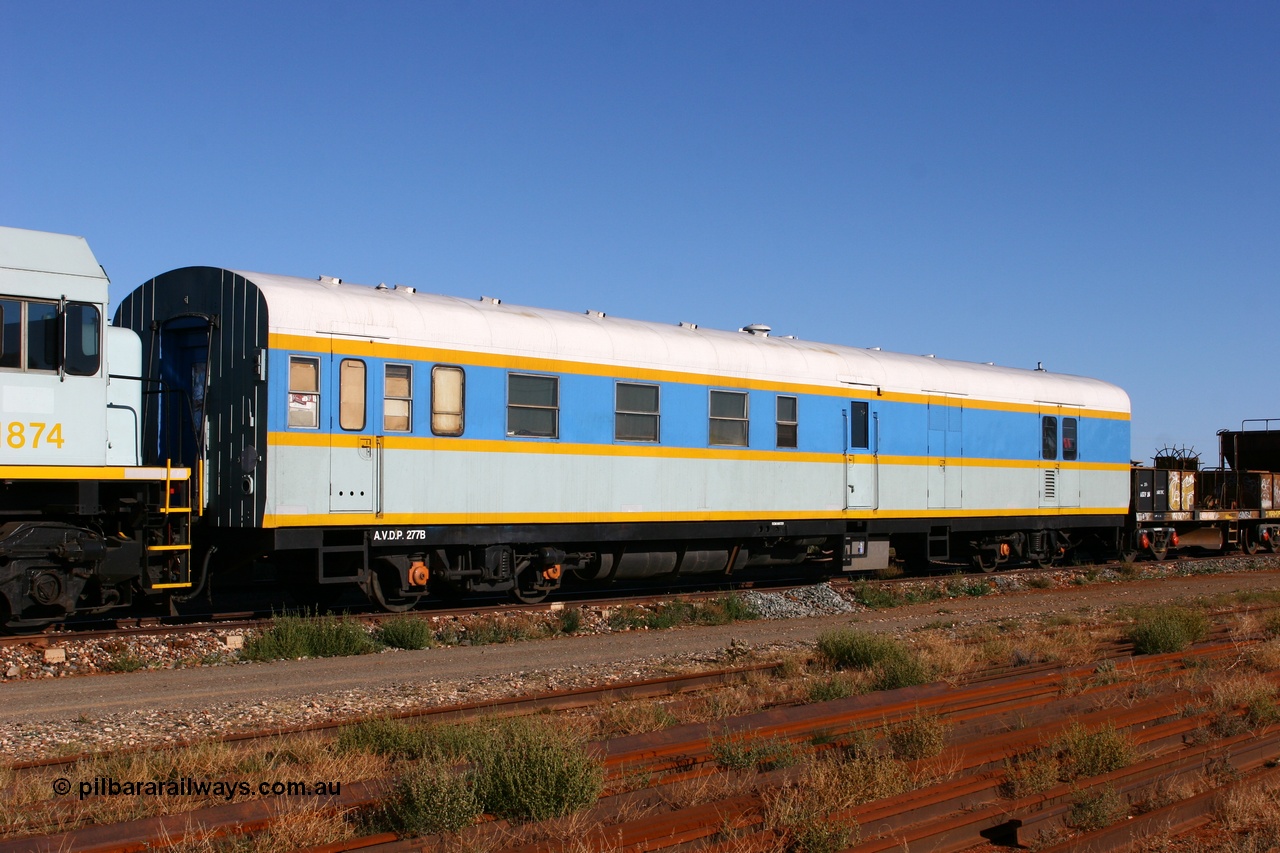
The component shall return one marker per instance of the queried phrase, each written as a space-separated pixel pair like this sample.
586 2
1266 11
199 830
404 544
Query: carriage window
1069 439
788 411
304 392
635 412
397 398
533 405
42 336
448 390
1049 437
82 337
11 337
728 415
351 390
859 431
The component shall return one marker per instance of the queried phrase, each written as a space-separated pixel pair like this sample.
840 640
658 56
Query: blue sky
1091 185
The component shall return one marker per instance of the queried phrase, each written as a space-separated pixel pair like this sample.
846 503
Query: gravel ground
193 685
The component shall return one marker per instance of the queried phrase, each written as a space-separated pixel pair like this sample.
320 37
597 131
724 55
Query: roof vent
382 285
1040 367
874 349
591 313
929 355
491 300
685 325
989 363
757 329
328 279
405 288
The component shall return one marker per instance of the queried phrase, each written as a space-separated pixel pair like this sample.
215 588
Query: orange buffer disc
418 574
551 573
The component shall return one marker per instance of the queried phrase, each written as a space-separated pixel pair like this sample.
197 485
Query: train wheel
391 603
1249 541
1159 554
1128 556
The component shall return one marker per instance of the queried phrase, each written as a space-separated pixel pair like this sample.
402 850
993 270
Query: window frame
387 397
1070 452
64 331
292 392
554 408
780 423
655 414
860 425
343 388
1049 441
462 401
712 419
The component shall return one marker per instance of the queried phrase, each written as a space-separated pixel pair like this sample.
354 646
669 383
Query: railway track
139 626
993 716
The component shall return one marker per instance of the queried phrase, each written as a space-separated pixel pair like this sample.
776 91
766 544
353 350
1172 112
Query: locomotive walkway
216 687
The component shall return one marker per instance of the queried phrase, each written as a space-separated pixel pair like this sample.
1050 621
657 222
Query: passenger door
353 450
945 452
861 455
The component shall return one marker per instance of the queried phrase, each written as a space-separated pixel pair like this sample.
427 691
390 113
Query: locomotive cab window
788 421
448 393
728 418
1069 449
81 339
1048 437
635 412
11 338
38 336
533 405
304 392
351 393
397 398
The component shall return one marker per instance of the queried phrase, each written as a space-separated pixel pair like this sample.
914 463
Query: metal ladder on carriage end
178 543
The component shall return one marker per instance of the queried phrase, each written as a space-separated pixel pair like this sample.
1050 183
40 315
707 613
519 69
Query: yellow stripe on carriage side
89 472
351 519
655 451
408 352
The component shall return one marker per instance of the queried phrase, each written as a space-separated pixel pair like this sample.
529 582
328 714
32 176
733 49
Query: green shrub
1097 808
529 768
432 799
299 635
741 751
125 662
828 689
407 632
921 736
393 738
874 596
1083 753
1158 630
892 663
569 620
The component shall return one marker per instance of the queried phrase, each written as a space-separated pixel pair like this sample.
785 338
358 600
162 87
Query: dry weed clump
26 808
1265 656
1254 693
1253 810
944 656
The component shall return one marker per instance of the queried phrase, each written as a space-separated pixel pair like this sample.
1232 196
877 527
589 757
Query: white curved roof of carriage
399 315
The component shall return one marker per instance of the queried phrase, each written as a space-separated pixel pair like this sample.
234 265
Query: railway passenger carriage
412 443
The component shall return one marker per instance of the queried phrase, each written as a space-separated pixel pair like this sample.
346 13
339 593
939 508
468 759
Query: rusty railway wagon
1176 504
